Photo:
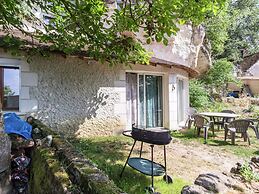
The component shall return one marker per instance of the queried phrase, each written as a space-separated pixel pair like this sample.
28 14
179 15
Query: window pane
141 101
10 91
154 111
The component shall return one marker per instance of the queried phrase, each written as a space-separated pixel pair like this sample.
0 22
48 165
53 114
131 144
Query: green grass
110 154
241 148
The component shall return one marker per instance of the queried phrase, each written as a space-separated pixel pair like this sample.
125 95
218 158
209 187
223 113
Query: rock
5 150
194 189
211 182
236 170
255 159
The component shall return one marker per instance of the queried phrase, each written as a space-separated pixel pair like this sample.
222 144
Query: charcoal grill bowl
157 136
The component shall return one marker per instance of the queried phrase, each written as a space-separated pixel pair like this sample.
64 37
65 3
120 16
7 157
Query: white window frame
6 62
162 74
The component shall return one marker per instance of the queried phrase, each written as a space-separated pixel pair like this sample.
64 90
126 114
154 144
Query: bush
199 96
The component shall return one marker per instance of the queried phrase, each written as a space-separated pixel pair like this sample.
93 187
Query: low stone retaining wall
48 175
61 169
243 103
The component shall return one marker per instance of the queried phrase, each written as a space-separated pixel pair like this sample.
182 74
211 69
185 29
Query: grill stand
166 178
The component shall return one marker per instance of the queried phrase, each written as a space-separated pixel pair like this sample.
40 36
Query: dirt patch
189 161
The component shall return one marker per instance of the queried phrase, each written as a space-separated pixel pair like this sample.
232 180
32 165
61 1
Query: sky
11 78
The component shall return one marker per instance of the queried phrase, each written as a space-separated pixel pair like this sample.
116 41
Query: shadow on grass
216 142
110 154
190 134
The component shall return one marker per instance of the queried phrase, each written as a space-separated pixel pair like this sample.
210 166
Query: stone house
84 97
248 75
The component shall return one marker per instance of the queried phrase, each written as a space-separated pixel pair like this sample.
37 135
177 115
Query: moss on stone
48 175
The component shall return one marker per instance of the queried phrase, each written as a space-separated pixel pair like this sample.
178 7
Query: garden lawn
110 154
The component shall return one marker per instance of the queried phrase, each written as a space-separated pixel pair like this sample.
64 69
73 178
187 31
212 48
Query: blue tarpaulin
14 124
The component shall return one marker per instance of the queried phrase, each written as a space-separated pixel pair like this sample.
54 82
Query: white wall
28 80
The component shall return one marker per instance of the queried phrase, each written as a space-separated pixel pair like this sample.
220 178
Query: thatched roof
192 72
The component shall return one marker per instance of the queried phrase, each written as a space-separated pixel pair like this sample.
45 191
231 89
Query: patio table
213 115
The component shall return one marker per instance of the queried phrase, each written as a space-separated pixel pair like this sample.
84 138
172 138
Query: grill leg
165 163
152 168
127 159
141 149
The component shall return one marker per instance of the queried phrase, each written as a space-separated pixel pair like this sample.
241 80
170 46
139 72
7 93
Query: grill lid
158 136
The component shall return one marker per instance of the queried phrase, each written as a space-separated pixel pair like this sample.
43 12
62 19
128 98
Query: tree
219 75
234 31
8 91
88 25
217 31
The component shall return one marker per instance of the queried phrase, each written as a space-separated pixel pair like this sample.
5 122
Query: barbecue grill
152 136
157 136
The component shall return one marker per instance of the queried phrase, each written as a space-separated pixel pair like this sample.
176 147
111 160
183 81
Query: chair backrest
199 121
241 125
228 111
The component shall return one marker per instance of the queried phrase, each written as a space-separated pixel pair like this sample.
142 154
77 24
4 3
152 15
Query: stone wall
238 103
60 169
75 95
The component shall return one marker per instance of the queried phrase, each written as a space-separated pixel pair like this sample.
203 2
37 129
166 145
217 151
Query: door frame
163 89
185 96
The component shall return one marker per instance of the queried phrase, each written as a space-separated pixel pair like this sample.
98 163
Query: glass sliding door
149 109
150 101
132 98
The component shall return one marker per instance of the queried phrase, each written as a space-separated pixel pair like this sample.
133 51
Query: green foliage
198 95
216 107
216 78
220 74
8 91
234 30
217 30
243 31
92 26
248 174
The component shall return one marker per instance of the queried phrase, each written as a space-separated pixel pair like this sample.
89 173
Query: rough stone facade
75 95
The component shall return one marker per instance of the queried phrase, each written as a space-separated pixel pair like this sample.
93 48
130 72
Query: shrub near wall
199 97
61 169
